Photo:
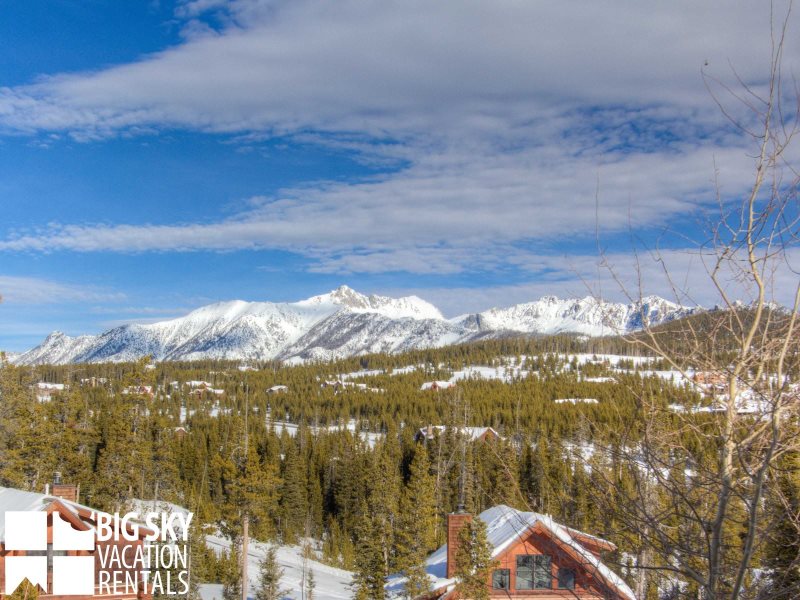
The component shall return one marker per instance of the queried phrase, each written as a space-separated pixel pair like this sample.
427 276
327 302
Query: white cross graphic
27 530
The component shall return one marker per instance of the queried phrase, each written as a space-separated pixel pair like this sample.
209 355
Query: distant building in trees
437 385
139 390
474 434
45 391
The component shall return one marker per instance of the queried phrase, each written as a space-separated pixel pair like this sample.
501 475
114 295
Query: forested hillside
346 464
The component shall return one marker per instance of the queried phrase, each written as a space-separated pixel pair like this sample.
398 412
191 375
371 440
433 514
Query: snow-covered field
331 583
352 426
512 369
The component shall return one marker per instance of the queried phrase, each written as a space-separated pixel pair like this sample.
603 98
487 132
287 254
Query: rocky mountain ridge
341 323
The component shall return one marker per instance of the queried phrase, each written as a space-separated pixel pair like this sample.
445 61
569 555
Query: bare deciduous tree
696 486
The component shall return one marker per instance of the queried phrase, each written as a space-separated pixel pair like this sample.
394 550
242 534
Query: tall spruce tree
294 493
376 527
232 578
416 531
474 562
370 574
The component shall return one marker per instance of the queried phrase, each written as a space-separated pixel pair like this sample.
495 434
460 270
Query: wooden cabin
535 558
473 434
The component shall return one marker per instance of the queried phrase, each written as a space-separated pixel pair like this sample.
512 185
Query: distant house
198 384
575 401
278 389
62 504
475 434
200 392
711 383
437 385
45 391
200 388
339 385
139 390
536 558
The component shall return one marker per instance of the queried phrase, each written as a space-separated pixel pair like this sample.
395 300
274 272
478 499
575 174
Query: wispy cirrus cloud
501 125
404 68
681 275
447 214
32 290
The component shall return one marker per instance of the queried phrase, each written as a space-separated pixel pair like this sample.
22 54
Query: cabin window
566 579
533 572
501 579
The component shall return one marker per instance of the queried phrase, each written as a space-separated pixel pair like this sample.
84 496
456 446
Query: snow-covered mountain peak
55 336
227 309
347 296
342 323
394 308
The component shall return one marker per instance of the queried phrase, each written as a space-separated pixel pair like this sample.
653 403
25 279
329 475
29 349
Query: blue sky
157 156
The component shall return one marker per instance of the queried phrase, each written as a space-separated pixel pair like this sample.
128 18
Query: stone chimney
455 522
63 490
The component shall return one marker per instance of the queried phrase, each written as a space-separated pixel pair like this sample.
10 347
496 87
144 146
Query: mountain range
339 324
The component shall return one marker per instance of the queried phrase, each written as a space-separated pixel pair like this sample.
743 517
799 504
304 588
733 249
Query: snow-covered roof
19 500
575 400
43 385
11 499
14 499
473 433
504 527
437 385
197 383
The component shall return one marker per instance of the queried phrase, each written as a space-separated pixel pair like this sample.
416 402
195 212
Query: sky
158 156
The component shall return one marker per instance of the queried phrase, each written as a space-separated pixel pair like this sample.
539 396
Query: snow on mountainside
339 324
9 356
394 308
588 316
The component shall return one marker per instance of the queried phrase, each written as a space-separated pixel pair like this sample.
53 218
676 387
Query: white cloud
406 67
31 290
679 275
446 213
505 116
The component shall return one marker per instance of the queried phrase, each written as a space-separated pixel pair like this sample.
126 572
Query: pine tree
269 578
232 589
417 581
416 531
294 493
474 562
232 578
252 491
370 574
783 549
375 528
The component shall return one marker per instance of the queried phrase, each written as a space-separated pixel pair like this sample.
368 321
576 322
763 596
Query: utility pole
246 516
462 479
